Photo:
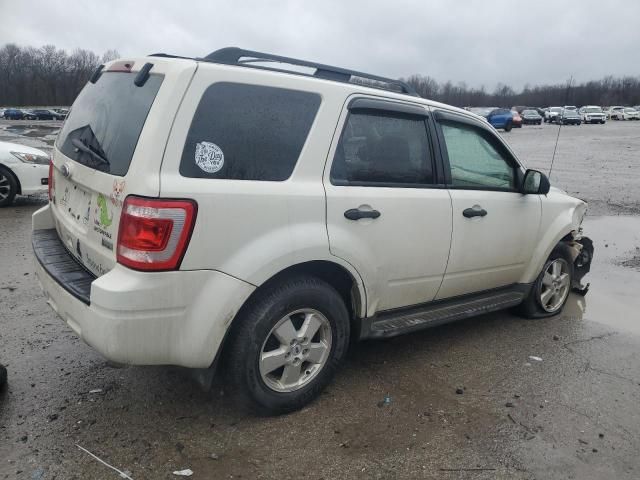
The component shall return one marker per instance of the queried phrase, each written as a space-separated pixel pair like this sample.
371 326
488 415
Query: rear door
495 228
387 214
111 145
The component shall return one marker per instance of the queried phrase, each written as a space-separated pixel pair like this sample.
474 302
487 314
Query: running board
397 322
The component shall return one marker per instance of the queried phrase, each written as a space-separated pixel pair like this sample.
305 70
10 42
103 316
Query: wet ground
573 414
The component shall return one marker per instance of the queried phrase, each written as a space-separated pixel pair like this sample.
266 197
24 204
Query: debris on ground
96 390
214 456
459 391
534 358
187 472
385 401
121 473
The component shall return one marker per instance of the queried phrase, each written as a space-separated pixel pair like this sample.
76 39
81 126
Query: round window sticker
209 157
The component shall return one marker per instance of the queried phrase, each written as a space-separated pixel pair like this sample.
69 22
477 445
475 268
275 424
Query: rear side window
248 132
383 149
105 121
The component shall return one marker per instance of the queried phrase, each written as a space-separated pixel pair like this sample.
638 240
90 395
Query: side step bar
397 322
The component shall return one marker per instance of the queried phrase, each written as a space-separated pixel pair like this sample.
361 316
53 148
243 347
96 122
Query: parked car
517 119
43 114
29 115
212 235
615 113
501 118
592 114
627 113
531 117
552 113
23 171
568 117
13 114
62 111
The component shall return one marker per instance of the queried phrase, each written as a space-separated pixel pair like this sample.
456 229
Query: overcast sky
479 42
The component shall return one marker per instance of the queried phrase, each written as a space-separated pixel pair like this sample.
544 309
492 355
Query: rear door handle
357 214
475 211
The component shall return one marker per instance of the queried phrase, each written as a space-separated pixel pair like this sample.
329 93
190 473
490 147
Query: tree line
605 92
47 75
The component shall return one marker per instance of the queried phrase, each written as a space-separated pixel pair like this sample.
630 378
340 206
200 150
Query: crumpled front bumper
583 255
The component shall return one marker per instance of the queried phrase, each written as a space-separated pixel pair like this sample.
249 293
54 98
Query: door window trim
363 104
493 139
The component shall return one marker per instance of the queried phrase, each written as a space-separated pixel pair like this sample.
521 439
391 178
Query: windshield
105 122
530 112
555 109
629 110
593 110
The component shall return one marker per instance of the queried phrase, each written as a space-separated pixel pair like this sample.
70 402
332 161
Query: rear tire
287 344
8 187
551 289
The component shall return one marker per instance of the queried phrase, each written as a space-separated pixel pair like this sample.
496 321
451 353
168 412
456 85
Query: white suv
221 211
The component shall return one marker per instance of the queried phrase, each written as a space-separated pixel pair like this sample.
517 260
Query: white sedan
23 171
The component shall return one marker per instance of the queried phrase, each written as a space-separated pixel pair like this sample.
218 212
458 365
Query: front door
495 228
386 215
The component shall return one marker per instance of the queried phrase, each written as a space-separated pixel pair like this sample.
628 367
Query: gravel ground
574 414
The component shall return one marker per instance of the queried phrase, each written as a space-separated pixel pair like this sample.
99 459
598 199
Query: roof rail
233 56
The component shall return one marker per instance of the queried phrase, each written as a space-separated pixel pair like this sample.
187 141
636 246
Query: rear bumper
141 318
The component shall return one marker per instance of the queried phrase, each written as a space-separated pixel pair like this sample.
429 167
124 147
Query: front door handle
475 211
357 214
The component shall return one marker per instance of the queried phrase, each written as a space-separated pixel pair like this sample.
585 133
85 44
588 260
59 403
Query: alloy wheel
5 187
555 286
295 350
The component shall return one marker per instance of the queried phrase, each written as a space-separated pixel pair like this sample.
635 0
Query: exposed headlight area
31 158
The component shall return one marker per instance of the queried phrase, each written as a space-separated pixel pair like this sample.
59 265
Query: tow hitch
583 248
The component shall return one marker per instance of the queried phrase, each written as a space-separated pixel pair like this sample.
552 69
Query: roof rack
247 58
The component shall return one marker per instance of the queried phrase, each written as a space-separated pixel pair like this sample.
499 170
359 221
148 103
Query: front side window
383 149
475 160
248 132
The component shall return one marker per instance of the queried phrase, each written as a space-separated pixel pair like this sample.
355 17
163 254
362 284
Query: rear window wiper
80 145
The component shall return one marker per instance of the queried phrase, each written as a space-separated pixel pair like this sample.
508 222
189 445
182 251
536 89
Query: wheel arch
562 230
347 282
15 177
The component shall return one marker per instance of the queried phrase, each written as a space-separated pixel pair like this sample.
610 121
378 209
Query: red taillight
50 181
154 233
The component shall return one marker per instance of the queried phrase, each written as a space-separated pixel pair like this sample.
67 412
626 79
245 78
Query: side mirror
535 183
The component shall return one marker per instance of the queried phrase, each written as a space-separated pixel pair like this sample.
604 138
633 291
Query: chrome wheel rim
555 286
295 351
5 187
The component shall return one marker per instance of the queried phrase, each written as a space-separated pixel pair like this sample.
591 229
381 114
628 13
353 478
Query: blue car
13 114
498 117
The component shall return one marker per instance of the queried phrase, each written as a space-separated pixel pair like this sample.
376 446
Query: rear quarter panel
254 229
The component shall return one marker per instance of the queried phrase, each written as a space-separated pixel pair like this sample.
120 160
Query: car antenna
566 102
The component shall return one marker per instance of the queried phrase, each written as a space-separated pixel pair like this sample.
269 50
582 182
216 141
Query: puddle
614 296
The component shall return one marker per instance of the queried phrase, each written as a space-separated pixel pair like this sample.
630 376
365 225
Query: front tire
508 127
551 289
287 344
8 187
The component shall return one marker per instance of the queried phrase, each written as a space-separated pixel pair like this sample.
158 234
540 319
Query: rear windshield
105 121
